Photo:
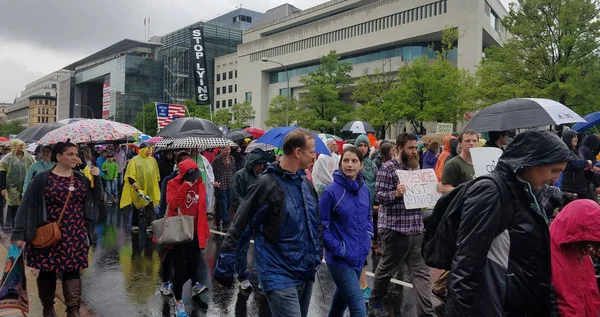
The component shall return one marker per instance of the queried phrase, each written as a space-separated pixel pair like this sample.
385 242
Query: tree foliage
222 117
242 113
282 108
553 53
197 111
11 127
322 100
149 117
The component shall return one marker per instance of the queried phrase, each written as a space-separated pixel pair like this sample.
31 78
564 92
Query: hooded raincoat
369 168
508 274
573 274
243 178
144 171
577 177
190 200
16 169
323 171
439 167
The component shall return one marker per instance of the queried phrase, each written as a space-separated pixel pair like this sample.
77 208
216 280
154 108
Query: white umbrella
358 127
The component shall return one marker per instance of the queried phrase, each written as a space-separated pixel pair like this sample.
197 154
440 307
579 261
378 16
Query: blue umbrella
275 137
592 120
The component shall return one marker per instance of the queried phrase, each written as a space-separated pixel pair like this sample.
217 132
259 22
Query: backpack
441 228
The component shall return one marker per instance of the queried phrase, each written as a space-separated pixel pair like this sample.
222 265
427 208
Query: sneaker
166 289
366 293
135 229
180 310
377 310
245 285
197 289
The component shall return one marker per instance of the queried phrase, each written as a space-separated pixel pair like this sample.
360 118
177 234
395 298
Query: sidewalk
35 307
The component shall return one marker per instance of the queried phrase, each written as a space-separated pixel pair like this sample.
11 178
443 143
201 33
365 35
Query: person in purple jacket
430 157
347 232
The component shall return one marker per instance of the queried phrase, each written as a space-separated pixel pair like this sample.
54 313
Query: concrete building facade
42 109
362 32
226 88
45 86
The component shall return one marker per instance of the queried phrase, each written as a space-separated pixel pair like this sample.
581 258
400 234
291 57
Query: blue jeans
110 187
241 265
224 196
291 302
348 293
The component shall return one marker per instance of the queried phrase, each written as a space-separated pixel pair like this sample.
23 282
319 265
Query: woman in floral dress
69 255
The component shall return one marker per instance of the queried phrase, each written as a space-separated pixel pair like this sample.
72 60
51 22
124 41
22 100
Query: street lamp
289 92
334 120
143 112
91 110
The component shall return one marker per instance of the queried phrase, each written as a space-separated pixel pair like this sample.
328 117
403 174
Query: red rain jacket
190 199
573 276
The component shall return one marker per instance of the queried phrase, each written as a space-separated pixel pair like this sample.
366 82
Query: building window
235 101
218 91
39 110
236 73
235 19
218 104
249 97
230 74
218 77
229 102
245 18
53 85
284 92
224 76
224 90
45 102
230 88
235 88
47 94
38 119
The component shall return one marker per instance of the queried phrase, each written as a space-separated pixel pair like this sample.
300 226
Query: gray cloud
15 83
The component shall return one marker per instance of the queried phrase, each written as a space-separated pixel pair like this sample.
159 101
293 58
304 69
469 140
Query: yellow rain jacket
16 169
144 170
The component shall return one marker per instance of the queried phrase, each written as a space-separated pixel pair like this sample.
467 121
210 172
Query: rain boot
72 293
46 291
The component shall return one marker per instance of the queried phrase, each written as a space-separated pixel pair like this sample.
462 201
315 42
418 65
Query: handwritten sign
444 127
421 188
485 159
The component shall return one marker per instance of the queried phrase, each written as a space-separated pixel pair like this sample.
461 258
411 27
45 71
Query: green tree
11 127
432 90
197 111
282 110
322 99
242 113
148 116
553 53
222 117
371 92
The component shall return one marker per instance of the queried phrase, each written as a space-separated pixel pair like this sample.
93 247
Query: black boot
72 293
46 291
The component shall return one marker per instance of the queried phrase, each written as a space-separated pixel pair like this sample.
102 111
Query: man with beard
400 232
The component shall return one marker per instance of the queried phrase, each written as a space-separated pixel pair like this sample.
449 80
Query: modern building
42 109
45 86
362 32
239 18
226 88
128 68
178 56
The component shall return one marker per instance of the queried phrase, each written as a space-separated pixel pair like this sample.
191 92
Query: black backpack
441 228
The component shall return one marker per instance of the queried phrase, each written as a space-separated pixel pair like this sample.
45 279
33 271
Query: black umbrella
238 135
522 113
34 134
176 127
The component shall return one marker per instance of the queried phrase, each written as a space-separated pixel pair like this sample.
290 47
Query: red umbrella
3 139
256 132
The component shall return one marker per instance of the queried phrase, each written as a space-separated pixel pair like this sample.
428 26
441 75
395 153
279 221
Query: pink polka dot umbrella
90 130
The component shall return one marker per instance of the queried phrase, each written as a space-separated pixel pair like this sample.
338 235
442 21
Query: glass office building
177 54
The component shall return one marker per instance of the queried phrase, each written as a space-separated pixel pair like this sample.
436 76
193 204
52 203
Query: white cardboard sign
485 159
421 188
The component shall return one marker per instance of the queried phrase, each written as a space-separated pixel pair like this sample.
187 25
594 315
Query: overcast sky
38 37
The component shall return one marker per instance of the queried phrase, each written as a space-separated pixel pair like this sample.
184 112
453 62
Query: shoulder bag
49 234
173 230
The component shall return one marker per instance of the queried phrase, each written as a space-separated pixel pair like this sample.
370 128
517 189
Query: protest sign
444 127
421 188
13 287
485 159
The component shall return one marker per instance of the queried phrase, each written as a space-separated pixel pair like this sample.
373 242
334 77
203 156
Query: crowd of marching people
518 242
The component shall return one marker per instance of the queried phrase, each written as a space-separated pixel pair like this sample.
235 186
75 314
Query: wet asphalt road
123 280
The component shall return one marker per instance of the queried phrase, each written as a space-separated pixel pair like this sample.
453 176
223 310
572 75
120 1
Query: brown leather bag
49 234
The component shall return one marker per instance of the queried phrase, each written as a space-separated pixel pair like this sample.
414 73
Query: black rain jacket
508 274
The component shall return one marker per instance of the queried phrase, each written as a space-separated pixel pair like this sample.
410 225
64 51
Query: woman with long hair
61 195
347 230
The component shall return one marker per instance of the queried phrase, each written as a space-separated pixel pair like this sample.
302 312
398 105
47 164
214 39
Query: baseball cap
192 175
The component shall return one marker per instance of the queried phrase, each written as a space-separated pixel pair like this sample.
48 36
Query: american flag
165 113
